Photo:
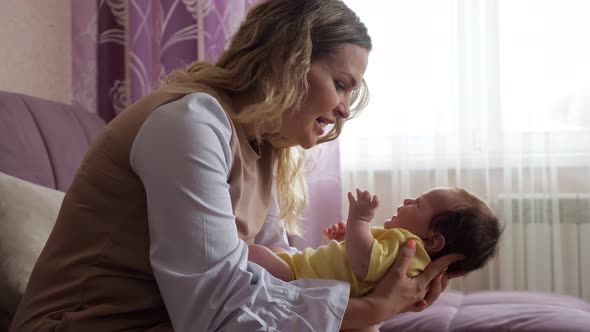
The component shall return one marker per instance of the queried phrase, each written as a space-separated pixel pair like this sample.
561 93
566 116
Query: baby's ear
434 243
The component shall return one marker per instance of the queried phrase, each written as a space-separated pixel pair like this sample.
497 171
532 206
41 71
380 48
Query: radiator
545 245
562 208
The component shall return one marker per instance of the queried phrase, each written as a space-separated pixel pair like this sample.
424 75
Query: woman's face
331 79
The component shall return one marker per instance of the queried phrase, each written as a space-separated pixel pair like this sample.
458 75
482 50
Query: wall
35 48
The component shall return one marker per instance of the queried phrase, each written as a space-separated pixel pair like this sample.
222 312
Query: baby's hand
363 207
336 232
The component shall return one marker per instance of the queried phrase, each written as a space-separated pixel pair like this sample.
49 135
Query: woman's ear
434 242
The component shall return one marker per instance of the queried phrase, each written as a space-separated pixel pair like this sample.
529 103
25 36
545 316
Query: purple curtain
123 48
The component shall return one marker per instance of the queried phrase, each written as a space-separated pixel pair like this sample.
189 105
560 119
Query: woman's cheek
332 102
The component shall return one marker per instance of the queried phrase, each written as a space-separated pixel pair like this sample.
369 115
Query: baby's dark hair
472 230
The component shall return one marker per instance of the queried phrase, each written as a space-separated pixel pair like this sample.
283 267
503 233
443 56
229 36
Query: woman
153 233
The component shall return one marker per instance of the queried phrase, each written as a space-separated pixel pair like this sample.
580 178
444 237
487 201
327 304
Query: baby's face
416 215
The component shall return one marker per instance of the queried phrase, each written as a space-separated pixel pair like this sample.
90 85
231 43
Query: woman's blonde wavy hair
268 58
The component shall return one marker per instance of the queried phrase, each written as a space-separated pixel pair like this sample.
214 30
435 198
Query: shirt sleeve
182 155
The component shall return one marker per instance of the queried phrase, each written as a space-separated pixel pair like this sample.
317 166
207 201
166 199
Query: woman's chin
309 143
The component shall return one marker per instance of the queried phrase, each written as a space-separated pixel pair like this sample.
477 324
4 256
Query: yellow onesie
330 262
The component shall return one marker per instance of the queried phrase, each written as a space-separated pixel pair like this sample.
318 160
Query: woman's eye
339 85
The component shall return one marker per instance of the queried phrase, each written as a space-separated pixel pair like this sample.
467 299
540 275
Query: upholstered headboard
43 141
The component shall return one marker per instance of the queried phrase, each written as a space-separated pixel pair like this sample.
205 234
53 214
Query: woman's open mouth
320 125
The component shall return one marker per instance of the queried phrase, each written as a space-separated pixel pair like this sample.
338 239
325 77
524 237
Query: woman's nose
408 201
343 111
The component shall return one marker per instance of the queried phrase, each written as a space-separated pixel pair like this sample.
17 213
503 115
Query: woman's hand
396 292
399 293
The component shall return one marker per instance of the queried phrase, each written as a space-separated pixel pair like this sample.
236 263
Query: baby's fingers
363 195
367 195
375 201
351 199
359 194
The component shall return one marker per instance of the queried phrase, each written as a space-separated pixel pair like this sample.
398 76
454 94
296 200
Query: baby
441 221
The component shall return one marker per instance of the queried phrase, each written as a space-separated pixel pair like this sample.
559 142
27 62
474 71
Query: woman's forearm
361 312
264 257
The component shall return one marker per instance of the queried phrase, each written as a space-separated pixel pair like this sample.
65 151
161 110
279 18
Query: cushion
27 214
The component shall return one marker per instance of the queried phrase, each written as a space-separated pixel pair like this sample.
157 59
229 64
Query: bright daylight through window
471 77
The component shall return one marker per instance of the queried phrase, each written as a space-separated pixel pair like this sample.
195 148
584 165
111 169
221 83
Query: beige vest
94 273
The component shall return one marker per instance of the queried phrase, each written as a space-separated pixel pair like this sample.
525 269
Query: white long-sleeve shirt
183 157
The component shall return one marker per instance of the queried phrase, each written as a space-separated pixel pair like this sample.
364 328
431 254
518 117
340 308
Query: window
474 80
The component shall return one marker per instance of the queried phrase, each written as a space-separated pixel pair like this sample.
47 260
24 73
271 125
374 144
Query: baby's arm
264 257
359 239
